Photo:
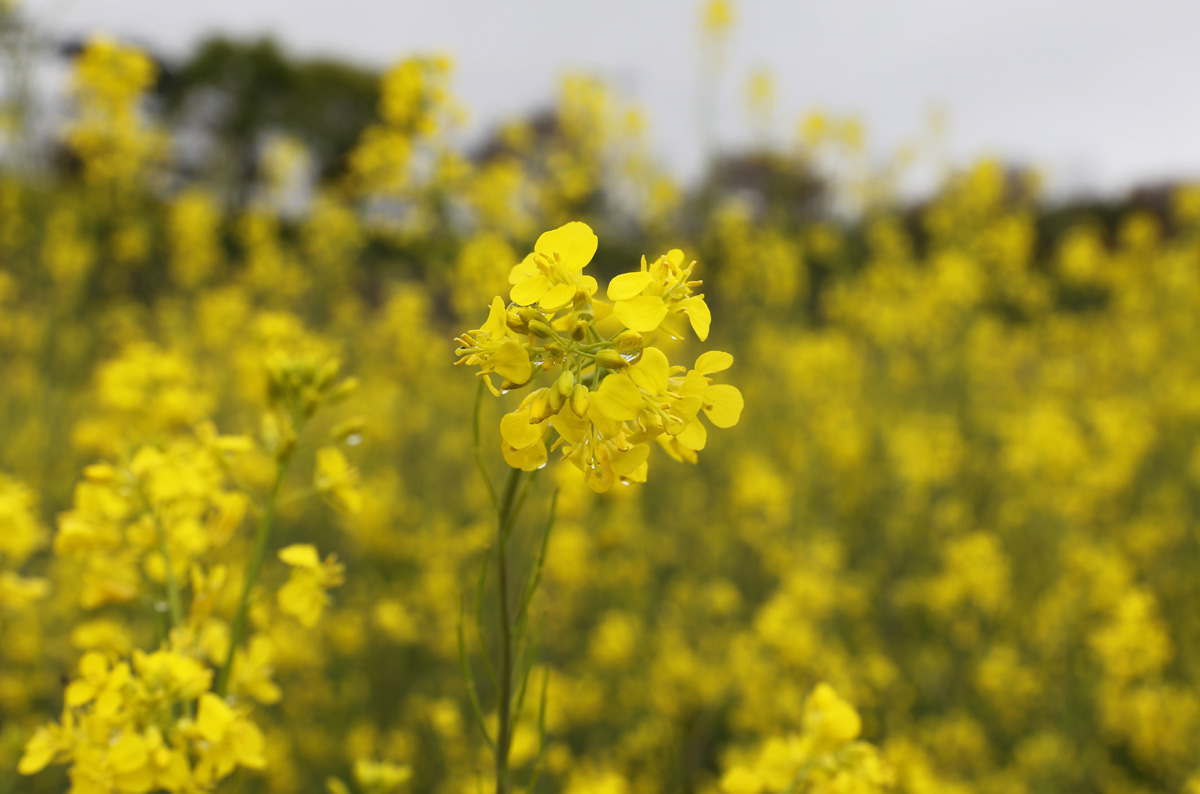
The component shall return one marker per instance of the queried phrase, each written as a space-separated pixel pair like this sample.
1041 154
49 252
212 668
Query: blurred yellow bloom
337 481
303 596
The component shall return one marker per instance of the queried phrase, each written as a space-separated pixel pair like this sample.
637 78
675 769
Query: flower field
777 484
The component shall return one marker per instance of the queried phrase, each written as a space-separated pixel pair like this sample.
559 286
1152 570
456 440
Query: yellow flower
613 394
380 777
829 720
495 348
660 295
552 275
336 480
47 745
229 739
304 596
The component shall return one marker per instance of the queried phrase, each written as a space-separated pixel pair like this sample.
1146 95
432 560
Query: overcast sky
1098 93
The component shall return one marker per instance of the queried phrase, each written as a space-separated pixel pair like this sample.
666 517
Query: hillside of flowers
529 468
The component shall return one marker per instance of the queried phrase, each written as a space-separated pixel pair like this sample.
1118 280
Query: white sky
1095 92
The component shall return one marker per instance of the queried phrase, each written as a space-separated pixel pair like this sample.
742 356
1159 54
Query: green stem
174 599
253 567
506 516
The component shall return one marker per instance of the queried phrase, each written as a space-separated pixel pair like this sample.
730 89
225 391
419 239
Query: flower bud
527 314
540 329
565 384
579 400
326 374
610 359
628 340
557 400
516 322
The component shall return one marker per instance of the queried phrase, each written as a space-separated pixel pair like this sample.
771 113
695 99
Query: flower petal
511 361
530 458
626 462
628 285
713 361
558 296
497 321
642 314
618 399
699 315
693 437
518 432
650 373
575 244
529 291
301 555
723 405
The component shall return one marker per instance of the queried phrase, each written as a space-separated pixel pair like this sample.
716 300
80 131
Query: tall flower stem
506 515
253 568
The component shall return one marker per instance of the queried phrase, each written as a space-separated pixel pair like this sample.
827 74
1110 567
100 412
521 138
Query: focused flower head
612 394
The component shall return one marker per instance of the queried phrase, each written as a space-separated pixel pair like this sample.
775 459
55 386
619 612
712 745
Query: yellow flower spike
621 393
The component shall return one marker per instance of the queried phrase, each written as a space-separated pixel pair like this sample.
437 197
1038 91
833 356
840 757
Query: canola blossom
612 392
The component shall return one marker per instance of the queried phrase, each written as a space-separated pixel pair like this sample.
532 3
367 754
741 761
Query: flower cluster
612 393
149 724
825 757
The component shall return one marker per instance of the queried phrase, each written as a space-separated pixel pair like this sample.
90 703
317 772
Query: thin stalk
487 479
505 518
174 599
253 568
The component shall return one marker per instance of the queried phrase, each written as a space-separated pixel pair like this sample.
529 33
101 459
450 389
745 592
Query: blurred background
1102 78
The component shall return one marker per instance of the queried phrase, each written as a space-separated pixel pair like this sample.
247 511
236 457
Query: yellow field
915 512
